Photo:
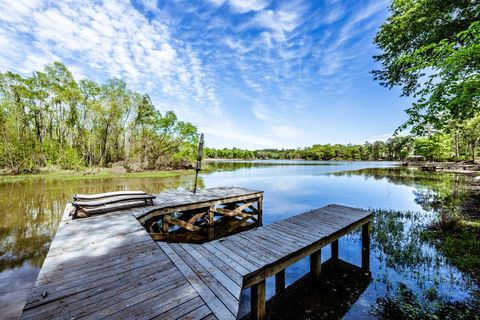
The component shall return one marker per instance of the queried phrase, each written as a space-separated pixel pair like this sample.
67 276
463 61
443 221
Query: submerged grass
460 245
402 240
405 305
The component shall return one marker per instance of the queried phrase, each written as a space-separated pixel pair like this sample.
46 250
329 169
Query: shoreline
91 173
452 167
52 173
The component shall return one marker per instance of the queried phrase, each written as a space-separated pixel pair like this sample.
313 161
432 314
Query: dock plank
107 266
212 301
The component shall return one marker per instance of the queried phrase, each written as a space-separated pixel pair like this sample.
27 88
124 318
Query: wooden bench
87 205
107 195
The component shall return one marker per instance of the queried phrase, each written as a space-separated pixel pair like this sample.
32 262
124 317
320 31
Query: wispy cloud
281 21
250 71
242 6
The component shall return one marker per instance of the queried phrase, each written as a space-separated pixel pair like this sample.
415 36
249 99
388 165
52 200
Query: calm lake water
31 212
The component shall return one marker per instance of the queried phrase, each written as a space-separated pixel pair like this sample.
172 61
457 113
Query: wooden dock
108 266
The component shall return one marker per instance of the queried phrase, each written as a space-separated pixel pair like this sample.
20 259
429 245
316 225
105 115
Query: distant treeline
49 118
437 147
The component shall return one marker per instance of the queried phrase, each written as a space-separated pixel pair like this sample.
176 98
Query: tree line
49 118
438 147
431 50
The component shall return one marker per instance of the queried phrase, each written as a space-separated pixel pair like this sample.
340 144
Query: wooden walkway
108 266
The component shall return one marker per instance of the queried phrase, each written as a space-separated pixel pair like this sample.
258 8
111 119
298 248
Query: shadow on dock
339 288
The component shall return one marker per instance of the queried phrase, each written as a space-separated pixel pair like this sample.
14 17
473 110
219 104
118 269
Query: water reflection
433 191
400 257
31 213
341 286
30 216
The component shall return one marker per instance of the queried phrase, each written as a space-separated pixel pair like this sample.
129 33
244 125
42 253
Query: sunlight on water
31 213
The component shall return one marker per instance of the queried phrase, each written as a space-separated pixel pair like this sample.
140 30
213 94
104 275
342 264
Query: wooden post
316 265
211 221
260 211
164 226
280 282
211 215
334 247
258 301
366 246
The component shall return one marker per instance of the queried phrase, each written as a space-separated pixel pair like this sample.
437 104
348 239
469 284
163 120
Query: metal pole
195 187
198 165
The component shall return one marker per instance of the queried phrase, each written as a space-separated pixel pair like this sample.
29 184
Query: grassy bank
91 173
460 245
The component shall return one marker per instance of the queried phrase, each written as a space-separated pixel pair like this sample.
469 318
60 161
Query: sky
248 73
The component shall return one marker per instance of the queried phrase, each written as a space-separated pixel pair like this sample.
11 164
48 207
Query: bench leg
258 301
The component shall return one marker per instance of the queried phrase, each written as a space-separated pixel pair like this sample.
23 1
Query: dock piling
366 246
280 282
316 265
334 247
258 301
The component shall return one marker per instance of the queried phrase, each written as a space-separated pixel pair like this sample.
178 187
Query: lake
400 260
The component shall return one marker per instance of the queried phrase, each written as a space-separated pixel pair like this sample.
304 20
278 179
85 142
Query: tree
431 49
472 135
399 147
436 147
48 118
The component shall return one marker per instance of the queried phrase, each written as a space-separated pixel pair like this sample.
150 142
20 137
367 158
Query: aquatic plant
405 305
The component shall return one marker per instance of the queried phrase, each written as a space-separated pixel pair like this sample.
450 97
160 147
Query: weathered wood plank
169 202
238 264
217 307
229 299
214 266
183 309
216 272
96 297
109 267
180 223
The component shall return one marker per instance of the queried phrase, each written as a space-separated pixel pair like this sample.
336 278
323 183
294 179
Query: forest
438 147
50 119
431 50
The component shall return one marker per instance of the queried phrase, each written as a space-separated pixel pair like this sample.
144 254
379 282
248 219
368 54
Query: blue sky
248 73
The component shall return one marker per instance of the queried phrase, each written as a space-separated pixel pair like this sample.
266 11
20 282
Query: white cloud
213 67
110 39
243 6
336 12
334 56
281 21
278 124
285 132
238 136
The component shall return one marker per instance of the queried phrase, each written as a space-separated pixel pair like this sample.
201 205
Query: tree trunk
104 145
473 152
457 151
